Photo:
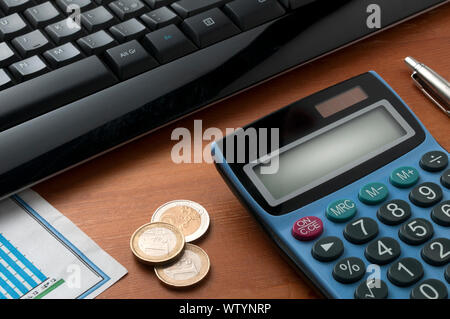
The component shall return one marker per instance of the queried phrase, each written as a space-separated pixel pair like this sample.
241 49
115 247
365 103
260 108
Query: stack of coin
164 243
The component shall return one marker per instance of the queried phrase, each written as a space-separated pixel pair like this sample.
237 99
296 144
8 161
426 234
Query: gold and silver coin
189 269
190 217
157 243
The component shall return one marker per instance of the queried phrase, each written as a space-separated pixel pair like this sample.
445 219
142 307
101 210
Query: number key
437 252
405 272
426 194
394 212
383 251
361 230
416 231
372 289
430 289
441 214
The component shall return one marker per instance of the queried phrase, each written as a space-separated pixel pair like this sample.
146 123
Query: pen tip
411 62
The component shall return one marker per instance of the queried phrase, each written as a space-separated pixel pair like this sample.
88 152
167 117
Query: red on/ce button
307 228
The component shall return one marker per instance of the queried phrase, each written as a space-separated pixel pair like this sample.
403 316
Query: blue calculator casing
299 252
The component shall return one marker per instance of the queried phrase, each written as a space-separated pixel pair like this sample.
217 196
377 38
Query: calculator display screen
326 153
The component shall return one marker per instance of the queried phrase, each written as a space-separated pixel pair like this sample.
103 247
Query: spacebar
53 90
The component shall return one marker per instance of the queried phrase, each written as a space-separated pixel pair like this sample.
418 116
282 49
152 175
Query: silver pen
432 84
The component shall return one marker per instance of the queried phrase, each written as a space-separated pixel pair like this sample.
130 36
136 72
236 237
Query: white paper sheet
44 255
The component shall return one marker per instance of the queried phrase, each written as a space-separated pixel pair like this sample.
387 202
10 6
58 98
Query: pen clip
427 91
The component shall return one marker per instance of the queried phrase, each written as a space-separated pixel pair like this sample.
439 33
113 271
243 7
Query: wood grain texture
109 197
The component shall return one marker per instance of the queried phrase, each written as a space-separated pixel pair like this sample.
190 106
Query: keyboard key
383 251
159 18
31 43
327 249
294 4
28 68
7 55
307 228
129 30
97 19
62 55
64 31
447 274
361 230
394 212
96 43
405 272
11 6
404 177
416 231
129 59
426 194
430 289
437 252
68 6
5 80
445 179
188 8
248 14
12 26
127 9
441 214
434 161
372 289
349 270
209 27
52 90
159 3
373 193
42 15
168 44
341 210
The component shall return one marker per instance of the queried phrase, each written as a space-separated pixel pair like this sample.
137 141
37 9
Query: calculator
351 187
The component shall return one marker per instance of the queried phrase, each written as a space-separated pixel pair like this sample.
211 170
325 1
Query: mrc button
404 177
373 193
307 228
341 210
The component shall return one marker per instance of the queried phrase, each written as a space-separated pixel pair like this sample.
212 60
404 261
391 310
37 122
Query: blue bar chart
18 275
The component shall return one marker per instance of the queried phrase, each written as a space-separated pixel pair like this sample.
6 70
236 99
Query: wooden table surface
111 196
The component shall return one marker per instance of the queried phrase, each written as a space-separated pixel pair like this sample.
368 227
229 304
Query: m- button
404 177
373 193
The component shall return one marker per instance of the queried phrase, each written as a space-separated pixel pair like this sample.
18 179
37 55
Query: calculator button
341 210
394 212
445 179
349 270
404 177
372 289
307 228
434 161
327 249
430 289
383 251
426 194
361 230
373 193
437 252
405 272
441 214
416 231
447 274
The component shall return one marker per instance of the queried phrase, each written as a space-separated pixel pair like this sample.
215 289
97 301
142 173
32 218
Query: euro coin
157 243
190 217
189 269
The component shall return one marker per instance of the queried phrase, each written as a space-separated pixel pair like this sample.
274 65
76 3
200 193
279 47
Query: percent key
349 270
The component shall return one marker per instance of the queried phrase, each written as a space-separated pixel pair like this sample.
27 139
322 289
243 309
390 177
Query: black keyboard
79 77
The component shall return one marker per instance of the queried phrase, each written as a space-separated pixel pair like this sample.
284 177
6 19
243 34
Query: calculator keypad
361 230
416 231
407 271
